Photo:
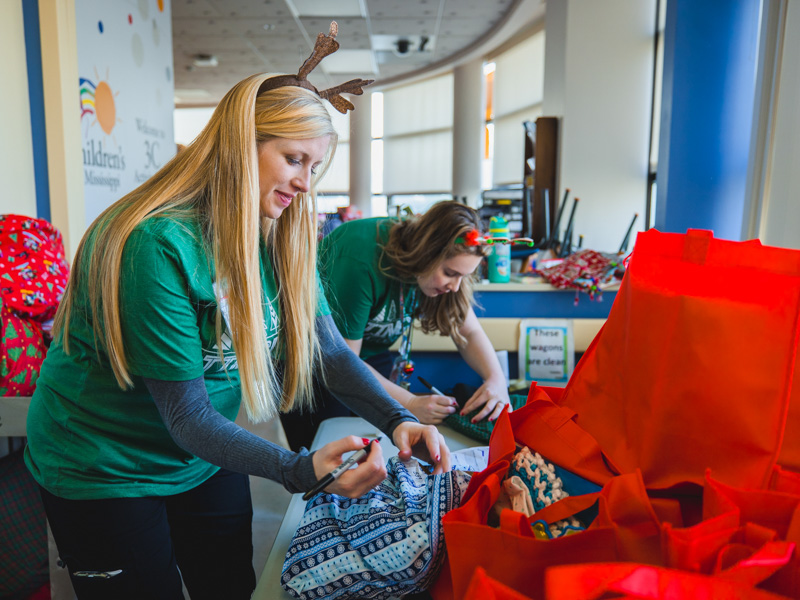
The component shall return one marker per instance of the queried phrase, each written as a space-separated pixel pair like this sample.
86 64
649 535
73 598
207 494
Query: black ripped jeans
132 548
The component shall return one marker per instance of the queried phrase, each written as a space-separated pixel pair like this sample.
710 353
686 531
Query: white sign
546 350
126 93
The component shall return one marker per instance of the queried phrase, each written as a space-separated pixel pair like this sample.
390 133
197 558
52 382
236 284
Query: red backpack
33 276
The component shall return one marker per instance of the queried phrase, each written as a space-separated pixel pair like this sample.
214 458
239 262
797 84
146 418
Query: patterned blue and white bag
387 543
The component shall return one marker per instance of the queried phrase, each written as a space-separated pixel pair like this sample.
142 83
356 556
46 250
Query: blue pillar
33 55
710 49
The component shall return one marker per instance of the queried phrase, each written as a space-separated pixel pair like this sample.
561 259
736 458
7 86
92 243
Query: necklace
403 367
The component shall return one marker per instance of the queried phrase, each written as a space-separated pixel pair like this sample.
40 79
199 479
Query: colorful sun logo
98 100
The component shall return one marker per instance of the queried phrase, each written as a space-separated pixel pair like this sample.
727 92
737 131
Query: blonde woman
193 294
379 275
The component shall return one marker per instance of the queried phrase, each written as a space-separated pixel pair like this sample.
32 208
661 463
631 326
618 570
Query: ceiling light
205 60
349 61
326 8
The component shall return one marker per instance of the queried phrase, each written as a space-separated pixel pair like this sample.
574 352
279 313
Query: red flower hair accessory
472 238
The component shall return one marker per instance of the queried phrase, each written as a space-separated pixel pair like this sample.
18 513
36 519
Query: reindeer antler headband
325 45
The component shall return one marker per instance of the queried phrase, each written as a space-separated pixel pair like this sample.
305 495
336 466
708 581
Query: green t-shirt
367 303
87 438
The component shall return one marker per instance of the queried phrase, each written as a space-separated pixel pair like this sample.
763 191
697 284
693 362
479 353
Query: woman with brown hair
379 275
194 294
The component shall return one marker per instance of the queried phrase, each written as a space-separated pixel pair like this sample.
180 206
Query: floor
269 498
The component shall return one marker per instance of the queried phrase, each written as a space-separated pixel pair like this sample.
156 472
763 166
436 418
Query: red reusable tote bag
646 582
694 366
483 587
626 528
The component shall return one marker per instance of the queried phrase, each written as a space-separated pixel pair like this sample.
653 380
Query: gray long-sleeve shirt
198 428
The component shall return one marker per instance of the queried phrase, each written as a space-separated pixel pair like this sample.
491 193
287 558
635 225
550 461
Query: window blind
337 179
418 137
518 95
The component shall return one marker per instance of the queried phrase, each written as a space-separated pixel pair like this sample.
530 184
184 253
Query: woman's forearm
351 381
199 429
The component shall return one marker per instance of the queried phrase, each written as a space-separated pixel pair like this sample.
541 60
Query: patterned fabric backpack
33 268
387 543
21 353
33 276
585 271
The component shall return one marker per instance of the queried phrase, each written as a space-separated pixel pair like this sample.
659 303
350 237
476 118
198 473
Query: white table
269 587
14 415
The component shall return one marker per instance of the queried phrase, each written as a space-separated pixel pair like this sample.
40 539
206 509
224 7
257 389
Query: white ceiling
252 36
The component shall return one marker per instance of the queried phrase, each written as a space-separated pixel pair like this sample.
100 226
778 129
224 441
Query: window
516 96
189 122
417 143
337 180
488 128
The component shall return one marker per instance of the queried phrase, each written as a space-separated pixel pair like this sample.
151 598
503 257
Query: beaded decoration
474 238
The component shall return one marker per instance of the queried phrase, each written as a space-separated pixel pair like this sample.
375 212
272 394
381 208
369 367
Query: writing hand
354 482
432 408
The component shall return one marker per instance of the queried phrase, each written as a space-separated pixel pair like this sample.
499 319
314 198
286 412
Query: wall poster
126 94
546 351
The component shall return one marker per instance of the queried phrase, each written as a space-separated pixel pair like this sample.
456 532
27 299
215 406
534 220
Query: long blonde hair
216 178
417 246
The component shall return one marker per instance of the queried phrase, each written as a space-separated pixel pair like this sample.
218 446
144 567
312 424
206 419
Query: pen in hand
334 475
430 387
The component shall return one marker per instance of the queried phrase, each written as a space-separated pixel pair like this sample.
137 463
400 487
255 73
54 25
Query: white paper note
470 459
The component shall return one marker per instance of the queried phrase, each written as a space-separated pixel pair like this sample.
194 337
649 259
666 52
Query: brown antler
354 86
325 46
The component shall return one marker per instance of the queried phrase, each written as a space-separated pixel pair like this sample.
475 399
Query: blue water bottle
499 258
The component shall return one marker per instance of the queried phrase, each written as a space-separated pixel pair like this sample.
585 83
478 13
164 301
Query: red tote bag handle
475 508
515 522
624 506
568 507
757 566
483 587
551 430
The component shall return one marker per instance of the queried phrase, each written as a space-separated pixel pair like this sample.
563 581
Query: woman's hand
492 396
357 481
423 441
432 408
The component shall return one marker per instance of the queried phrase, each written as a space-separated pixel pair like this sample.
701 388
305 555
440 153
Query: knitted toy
545 487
